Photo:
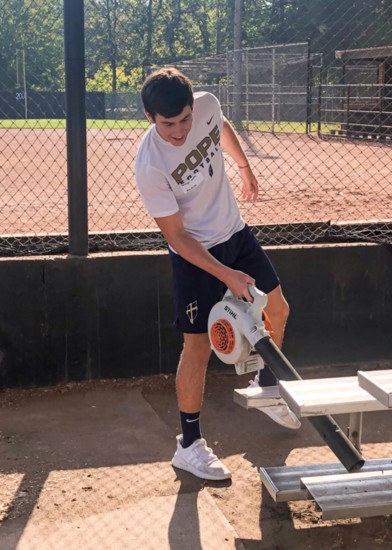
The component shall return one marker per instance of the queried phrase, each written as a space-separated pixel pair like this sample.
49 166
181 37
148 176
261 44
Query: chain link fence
315 118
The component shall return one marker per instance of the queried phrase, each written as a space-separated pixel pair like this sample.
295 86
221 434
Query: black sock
266 378
190 424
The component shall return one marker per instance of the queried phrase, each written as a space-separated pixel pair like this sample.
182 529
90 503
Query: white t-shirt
190 178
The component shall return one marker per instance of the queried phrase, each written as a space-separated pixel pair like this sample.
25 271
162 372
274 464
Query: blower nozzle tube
325 425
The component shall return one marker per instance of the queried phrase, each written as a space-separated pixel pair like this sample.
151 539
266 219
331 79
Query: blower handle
257 306
260 299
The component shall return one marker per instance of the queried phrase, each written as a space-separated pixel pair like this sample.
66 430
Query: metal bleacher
337 493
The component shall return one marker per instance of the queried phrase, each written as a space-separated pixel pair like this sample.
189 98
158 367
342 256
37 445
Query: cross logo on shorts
191 311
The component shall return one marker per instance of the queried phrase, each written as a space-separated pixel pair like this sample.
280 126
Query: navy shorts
196 291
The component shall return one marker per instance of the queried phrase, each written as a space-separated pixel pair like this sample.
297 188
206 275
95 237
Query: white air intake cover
224 330
234 326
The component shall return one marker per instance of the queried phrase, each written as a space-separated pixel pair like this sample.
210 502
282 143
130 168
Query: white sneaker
199 460
281 414
266 392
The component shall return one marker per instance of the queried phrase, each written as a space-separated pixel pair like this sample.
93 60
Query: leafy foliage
36 28
125 36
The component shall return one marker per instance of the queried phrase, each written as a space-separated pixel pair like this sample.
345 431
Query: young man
182 181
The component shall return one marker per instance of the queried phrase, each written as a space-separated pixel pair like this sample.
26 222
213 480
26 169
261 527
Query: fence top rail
365 53
270 47
354 85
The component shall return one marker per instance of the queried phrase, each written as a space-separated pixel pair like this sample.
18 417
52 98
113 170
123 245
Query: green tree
37 29
104 34
118 34
123 36
102 80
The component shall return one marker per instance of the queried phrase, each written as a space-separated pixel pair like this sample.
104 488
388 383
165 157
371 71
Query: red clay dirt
302 179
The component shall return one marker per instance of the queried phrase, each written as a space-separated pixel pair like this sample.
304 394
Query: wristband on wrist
246 166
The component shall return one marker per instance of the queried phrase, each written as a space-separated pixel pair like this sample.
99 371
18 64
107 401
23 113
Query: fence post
229 111
273 84
237 61
75 93
247 87
319 105
308 91
21 78
348 110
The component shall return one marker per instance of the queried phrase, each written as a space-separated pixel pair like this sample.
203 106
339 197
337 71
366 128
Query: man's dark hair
166 92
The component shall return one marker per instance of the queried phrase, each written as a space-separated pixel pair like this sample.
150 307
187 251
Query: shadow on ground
88 466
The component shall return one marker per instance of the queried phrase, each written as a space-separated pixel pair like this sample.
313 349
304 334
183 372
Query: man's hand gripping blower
235 328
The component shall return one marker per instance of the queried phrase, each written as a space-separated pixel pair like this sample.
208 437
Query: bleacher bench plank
363 494
284 482
316 397
378 384
247 398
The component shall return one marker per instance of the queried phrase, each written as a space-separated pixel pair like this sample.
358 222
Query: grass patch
287 127
54 123
255 126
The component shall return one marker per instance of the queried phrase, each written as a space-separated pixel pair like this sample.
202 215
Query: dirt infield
79 462
302 179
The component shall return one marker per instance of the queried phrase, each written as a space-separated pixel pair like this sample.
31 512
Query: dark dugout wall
110 315
13 104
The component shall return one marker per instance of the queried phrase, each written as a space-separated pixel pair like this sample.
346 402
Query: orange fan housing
222 336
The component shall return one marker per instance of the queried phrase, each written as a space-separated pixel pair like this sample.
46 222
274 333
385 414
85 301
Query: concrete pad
176 522
94 428
92 469
93 455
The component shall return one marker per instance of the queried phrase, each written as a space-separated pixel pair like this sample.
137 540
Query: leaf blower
236 328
